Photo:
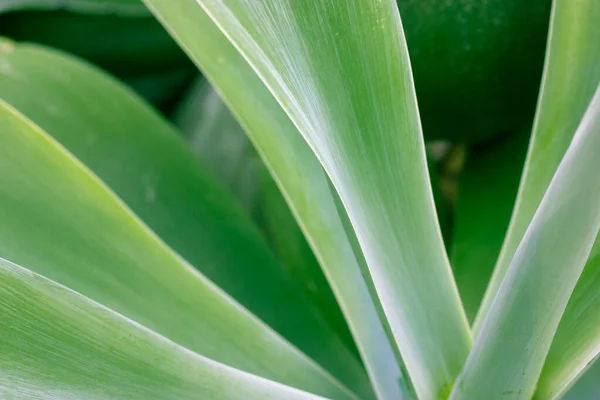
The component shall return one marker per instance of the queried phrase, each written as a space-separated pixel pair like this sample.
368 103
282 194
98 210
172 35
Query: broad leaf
298 174
62 222
515 336
56 343
342 74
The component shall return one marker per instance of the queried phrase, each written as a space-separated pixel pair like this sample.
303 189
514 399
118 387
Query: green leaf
342 74
218 139
571 75
298 174
569 82
577 341
56 343
487 190
67 225
515 336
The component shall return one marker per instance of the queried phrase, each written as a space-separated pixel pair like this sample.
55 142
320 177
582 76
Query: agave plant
279 237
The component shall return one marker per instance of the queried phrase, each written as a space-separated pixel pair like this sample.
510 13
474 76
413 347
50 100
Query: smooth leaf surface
56 343
515 336
342 74
577 341
571 75
173 193
218 139
488 184
65 224
298 174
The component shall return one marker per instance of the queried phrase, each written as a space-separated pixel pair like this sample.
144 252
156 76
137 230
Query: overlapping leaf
298 174
577 341
587 387
56 343
342 74
169 189
65 224
515 336
118 7
571 75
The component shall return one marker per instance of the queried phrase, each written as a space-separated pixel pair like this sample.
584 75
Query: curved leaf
587 387
170 191
571 75
342 74
64 223
515 336
162 89
477 65
56 343
296 171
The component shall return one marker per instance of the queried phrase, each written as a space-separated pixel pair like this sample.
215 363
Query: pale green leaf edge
99 354
246 317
